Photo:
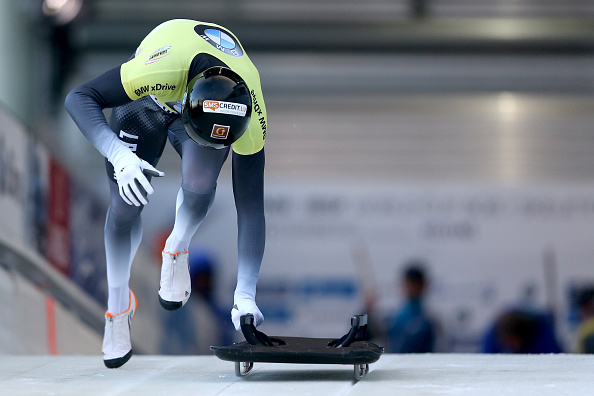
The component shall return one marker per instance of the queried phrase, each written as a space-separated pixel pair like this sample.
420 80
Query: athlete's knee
122 215
203 184
198 203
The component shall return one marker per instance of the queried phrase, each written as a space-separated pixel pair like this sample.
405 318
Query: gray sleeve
248 191
85 105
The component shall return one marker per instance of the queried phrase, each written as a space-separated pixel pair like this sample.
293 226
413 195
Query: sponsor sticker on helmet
158 55
219 131
220 107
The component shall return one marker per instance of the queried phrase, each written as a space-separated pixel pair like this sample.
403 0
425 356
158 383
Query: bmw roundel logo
220 39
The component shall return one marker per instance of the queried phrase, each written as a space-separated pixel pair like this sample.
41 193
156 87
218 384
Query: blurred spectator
585 333
412 330
203 273
521 331
409 329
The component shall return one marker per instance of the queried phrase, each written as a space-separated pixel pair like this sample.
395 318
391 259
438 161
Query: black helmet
216 108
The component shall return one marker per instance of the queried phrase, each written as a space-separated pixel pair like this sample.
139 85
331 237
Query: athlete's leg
200 169
123 233
141 125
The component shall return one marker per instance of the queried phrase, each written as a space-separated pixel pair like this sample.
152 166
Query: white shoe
117 348
176 284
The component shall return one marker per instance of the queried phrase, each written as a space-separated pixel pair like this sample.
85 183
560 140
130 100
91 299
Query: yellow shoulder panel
160 67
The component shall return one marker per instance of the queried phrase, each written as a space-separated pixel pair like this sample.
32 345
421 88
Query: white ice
432 374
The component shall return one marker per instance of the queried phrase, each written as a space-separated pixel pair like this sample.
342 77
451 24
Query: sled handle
358 332
255 337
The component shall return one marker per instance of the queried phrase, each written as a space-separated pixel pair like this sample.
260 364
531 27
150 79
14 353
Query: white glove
244 307
128 170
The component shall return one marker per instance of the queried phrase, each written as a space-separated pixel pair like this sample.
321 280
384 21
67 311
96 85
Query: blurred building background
456 132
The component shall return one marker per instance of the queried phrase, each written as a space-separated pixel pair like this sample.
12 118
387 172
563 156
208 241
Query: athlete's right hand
130 174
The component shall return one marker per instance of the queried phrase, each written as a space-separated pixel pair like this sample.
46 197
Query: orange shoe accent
110 315
174 254
130 304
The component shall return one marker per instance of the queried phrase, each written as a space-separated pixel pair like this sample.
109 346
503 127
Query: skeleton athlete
193 83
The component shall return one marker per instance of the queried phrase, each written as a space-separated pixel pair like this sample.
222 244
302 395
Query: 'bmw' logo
220 39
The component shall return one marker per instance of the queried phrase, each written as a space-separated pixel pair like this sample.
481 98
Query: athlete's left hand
243 307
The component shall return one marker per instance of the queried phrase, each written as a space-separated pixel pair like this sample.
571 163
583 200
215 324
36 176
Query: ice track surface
435 374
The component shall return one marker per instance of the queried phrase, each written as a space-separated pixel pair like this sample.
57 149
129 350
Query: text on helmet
217 106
